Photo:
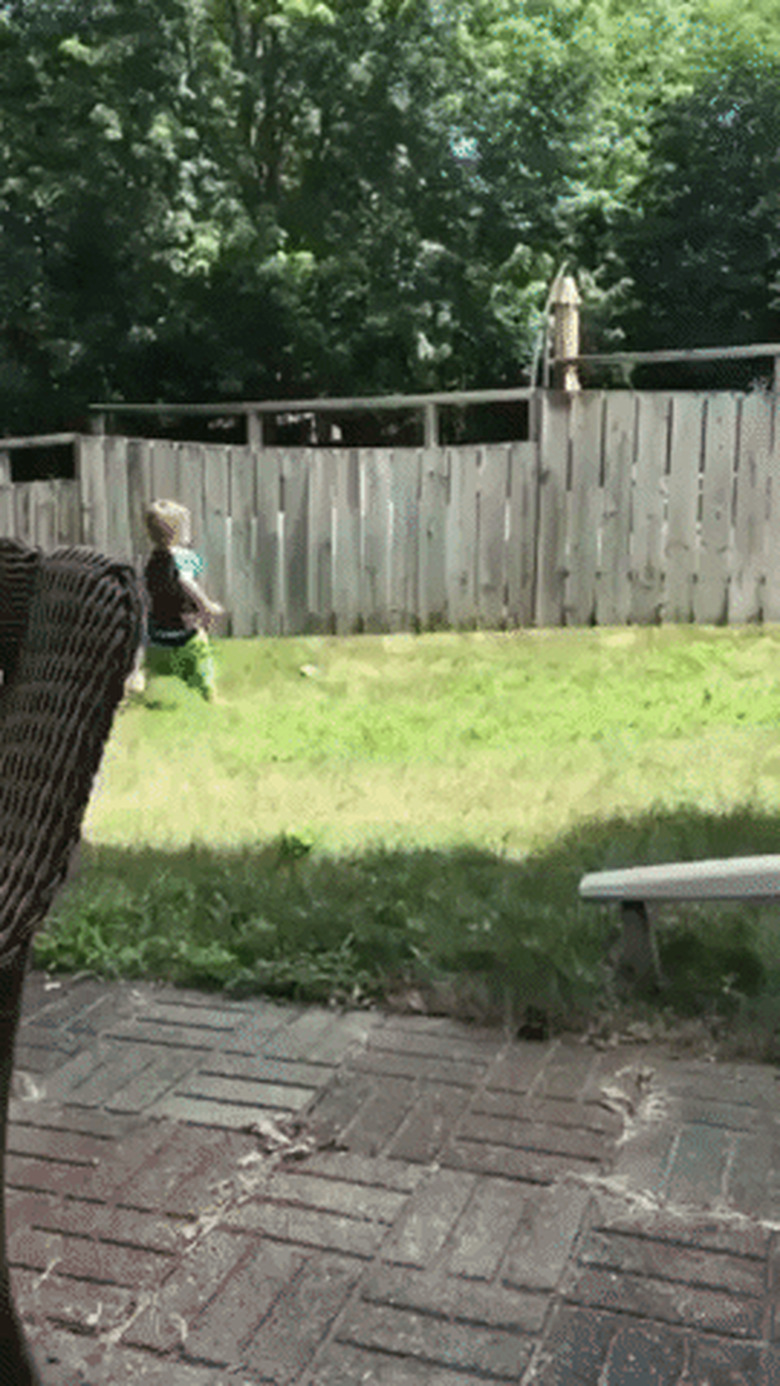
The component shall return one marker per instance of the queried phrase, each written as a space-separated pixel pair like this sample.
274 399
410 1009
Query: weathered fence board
213 544
710 598
461 535
347 574
139 492
434 499
408 544
648 509
491 573
585 504
265 538
745 594
375 539
771 597
681 531
42 527
613 581
322 539
166 472
118 524
240 578
92 480
551 538
7 522
520 532
39 512
68 514
290 548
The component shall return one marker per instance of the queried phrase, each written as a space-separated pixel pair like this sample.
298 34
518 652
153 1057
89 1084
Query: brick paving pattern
204 1192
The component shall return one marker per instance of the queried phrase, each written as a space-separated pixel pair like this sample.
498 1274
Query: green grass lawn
406 818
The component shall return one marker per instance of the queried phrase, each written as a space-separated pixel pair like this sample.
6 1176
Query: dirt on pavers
713 1037
450 1203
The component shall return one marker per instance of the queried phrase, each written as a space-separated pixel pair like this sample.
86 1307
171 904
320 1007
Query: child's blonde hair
168 524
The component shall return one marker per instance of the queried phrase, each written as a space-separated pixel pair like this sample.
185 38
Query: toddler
179 612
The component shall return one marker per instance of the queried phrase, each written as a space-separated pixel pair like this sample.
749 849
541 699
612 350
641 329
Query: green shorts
193 663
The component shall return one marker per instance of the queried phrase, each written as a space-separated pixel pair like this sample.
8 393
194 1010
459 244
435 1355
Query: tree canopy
211 199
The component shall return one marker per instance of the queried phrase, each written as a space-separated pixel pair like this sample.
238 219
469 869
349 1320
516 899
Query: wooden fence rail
628 507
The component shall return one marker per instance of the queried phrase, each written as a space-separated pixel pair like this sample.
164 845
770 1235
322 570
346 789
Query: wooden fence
627 508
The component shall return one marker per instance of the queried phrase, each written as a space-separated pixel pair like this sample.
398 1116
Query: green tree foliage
703 248
109 201
205 199
690 255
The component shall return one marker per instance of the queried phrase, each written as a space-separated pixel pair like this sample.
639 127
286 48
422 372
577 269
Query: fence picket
321 541
434 494
682 544
376 538
214 534
461 534
165 464
613 577
347 547
265 541
7 513
407 542
91 472
771 597
293 475
491 556
750 499
710 598
7 522
585 503
648 509
241 509
139 493
551 539
118 524
520 530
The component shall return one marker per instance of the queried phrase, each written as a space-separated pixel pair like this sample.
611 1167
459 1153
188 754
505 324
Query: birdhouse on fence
566 332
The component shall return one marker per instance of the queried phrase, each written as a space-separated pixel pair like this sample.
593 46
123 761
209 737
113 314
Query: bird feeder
566 333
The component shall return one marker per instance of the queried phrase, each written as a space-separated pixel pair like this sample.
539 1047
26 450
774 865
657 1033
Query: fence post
254 430
566 308
430 426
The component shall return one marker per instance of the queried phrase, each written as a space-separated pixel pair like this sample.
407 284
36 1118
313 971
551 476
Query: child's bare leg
136 679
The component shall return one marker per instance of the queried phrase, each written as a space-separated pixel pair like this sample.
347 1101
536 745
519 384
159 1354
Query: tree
686 254
113 204
205 199
701 238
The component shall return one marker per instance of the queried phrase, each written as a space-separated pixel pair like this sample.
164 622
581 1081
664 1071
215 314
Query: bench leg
640 962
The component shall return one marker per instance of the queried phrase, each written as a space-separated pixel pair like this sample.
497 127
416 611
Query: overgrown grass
409 818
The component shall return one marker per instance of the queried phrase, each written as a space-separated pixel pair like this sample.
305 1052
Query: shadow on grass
458 931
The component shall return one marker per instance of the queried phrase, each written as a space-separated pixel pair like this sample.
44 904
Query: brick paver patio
205 1192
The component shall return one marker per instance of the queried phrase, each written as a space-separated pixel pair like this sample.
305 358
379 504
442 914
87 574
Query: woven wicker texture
18 566
70 624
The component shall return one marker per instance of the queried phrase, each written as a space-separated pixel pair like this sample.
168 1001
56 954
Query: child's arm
207 609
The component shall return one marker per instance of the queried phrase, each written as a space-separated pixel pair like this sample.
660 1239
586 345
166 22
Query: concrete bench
733 878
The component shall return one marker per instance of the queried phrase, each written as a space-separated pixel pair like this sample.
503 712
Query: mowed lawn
407 817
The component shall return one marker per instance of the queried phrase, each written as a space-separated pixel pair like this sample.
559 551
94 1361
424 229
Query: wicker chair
69 629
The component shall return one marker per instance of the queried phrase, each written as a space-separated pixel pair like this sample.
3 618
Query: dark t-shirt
171 609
